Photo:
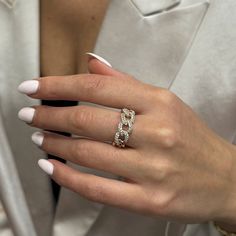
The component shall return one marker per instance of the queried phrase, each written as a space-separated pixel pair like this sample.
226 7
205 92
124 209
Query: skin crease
169 171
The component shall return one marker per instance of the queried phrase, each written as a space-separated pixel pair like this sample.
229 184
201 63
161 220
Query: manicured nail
26 114
99 58
37 138
28 86
46 166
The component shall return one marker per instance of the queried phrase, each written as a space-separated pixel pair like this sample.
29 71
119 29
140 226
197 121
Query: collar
155 6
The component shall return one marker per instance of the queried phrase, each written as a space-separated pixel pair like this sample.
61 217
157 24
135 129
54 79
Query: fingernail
99 58
46 166
37 138
26 114
28 86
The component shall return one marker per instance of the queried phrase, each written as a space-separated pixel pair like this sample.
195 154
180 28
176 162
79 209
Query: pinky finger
95 188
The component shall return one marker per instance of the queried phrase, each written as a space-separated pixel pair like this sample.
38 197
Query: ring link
125 128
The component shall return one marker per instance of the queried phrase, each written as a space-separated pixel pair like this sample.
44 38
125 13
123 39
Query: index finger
117 92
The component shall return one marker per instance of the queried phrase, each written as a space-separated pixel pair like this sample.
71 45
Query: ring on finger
122 135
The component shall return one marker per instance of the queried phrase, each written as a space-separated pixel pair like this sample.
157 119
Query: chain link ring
122 134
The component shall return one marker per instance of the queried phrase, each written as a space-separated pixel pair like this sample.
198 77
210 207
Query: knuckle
168 137
94 83
160 171
161 202
94 192
72 185
81 118
47 88
74 151
80 151
166 96
163 171
151 93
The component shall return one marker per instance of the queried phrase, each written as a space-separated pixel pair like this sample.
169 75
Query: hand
175 167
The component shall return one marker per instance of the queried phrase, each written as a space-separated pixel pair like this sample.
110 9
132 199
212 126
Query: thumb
98 65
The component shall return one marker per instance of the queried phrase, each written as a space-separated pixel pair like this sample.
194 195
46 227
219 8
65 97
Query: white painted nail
37 138
46 166
26 114
28 86
99 58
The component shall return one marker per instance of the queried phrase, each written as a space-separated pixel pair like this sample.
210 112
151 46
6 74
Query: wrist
226 219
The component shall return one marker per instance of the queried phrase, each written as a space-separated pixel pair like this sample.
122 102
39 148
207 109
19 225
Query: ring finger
87 121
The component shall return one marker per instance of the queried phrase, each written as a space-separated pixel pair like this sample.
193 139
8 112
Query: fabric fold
147 7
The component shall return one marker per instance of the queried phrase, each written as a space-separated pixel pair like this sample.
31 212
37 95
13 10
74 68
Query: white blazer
186 46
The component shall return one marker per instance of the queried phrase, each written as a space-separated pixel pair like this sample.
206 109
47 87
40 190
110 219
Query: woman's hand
174 166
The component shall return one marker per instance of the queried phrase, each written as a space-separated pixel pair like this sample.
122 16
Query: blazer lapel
206 81
154 47
151 7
